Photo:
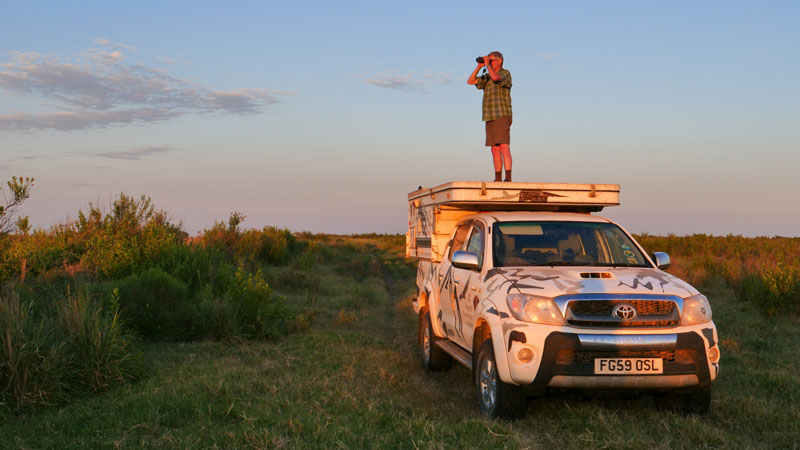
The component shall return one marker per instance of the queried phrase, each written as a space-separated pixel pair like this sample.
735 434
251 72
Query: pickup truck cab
533 296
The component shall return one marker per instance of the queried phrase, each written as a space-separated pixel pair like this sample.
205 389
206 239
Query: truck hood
555 281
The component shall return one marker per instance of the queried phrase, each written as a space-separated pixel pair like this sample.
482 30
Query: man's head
496 60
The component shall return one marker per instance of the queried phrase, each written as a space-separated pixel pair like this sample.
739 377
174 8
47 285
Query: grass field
349 376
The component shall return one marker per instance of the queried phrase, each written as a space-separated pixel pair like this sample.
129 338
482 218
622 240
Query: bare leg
506 153
498 162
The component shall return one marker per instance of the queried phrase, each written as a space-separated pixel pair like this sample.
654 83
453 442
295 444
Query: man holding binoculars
496 85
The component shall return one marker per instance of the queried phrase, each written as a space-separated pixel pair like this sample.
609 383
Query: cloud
81 185
119 45
167 60
134 155
105 58
547 55
390 80
100 91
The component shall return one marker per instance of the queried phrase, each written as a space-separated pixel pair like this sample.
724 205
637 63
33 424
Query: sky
323 116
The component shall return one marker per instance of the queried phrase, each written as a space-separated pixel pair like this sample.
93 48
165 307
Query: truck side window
459 238
475 244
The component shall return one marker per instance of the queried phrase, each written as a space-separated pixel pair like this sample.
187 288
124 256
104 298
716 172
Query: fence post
24 269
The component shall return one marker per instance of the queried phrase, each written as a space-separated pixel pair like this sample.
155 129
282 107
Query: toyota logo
624 311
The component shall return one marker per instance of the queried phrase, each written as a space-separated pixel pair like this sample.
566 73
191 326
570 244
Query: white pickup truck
524 286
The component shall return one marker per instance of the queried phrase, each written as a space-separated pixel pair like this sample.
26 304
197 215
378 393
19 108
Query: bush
128 239
776 292
156 304
259 313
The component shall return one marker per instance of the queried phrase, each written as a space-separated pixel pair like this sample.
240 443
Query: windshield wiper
620 265
563 263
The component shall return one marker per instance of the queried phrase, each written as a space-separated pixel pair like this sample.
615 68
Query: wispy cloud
167 60
119 45
411 82
134 154
100 91
104 58
547 55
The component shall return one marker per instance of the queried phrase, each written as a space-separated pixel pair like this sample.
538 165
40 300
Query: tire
496 398
434 359
694 401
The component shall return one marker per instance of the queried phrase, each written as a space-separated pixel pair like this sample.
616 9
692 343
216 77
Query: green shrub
156 304
194 265
259 313
776 291
129 238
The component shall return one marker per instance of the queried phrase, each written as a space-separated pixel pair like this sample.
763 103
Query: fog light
713 354
525 355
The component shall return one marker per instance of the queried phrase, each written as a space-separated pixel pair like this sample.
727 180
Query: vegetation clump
77 345
140 278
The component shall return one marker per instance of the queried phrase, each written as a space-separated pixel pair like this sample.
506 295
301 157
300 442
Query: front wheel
496 398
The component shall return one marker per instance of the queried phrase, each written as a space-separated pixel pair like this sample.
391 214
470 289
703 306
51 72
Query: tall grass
46 356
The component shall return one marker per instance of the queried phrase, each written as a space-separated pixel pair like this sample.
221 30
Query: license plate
628 366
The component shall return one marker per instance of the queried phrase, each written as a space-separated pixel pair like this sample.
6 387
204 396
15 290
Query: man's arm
473 78
496 77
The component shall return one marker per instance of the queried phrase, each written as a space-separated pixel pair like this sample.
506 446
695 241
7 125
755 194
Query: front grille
604 307
600 313
620 324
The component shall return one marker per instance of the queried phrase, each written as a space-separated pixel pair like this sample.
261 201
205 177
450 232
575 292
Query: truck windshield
563 244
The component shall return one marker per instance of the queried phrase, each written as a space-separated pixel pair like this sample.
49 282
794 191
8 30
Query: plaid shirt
496 95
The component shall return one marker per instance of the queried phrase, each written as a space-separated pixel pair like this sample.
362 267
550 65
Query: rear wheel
434 358
496 398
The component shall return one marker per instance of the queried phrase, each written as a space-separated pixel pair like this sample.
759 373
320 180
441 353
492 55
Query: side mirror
661 259
466 260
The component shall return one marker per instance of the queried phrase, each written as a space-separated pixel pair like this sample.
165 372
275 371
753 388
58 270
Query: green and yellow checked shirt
496 95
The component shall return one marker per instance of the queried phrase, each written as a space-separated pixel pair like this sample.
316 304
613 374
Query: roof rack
501 196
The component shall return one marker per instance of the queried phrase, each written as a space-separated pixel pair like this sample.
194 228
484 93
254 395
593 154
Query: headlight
696 310
532 308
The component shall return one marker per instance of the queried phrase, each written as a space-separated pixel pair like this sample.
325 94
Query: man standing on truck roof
496 85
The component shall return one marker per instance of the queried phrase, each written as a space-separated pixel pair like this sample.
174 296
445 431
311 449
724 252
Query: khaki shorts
498 131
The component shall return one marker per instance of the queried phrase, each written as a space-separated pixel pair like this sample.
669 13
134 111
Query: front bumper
569 363
566 359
